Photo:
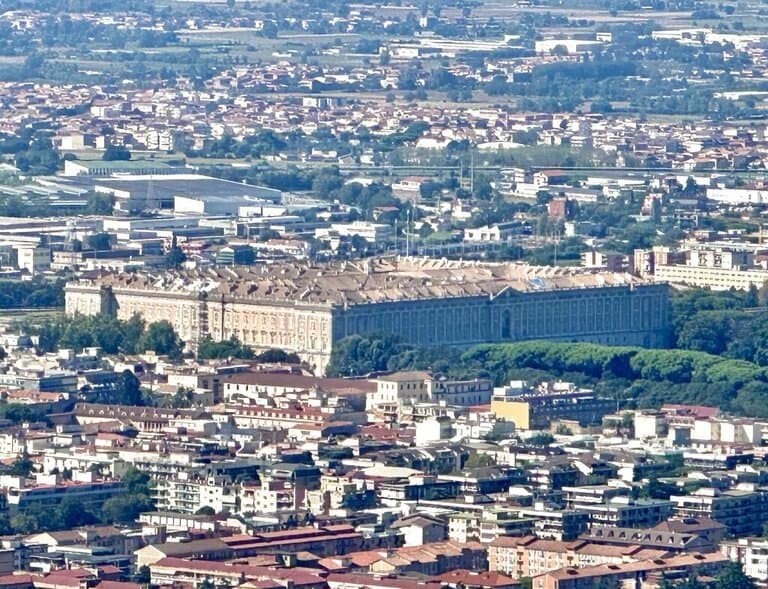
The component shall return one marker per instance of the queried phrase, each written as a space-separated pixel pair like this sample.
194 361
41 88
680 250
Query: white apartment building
751 553
269 498
375 233
34 259
417 387
185 494
650 425
735 431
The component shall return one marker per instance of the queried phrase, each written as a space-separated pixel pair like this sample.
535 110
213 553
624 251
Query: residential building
681 566
528 556
419 529
751 554
536 408
497 233
556 524
33 259
51 490
742 512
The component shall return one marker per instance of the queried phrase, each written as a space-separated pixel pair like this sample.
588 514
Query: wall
637 315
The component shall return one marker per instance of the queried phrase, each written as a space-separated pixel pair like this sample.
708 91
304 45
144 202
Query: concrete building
461 392
651 425
635 573
719 267
556 524
374 233
400 388
194 193
49 491
606 505
33 259
528 556
419 529
611 261
750 553
306 309
670 541
741 511
713 278
531 408
498 232
188 494
560 207
100 168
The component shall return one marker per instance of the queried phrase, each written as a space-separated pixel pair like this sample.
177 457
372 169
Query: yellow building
536 408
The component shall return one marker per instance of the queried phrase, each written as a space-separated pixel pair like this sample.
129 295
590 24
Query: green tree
478 460
733 577
542 439
128 389
77 335
175 257
143 575
71 513
358 355
277 356
231 348
136 481
706 332
24 522
762 294
132 332
107 333
161 338
99 204
22 466
116 153
125 508
655 489
498 432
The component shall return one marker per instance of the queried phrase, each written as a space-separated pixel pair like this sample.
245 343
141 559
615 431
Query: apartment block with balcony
536 408
613 506
751 554
742 511
50 490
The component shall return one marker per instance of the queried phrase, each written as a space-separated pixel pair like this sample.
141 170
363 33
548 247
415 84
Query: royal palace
306 308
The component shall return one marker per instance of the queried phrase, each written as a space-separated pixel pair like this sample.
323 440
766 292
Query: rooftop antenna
472 171
555 235
407 229
71 231
397 252
151 202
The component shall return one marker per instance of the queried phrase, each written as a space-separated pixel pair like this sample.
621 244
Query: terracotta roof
118 585
689 526
364 581
678 561
475 578
300 381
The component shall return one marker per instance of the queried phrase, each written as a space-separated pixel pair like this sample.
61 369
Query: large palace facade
307 308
